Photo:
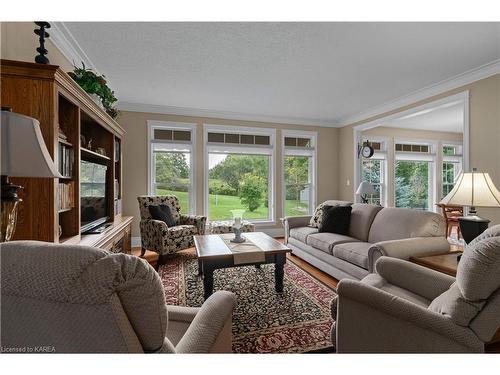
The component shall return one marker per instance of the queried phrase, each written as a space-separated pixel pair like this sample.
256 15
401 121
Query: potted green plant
95 86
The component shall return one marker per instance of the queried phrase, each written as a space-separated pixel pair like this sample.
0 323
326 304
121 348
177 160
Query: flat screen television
93 197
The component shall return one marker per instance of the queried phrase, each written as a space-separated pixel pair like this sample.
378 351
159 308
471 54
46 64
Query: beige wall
19 42
135 159
484 137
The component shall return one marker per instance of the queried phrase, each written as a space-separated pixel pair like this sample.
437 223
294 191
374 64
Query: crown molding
64 40
227 115
455 82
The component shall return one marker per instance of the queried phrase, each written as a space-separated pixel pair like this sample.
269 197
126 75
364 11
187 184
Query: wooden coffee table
213 253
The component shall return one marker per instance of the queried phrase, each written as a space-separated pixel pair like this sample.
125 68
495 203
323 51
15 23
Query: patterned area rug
263 322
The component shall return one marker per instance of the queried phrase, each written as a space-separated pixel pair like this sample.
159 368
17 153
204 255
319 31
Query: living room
264 187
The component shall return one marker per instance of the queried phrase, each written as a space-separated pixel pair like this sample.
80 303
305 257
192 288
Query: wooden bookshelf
68 116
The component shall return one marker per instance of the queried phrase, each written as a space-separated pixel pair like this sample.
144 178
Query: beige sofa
374 232
78 299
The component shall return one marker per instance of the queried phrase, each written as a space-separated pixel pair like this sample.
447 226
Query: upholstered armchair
162 239
404 307
78 299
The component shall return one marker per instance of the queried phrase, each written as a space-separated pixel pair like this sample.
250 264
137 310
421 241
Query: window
239 166
452 165
413 176
171 162
299 171
373 171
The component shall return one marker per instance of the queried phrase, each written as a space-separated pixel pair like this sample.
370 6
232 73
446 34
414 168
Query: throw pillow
162 213
318 213
336 219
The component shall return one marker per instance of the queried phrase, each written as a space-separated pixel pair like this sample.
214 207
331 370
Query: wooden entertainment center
75 129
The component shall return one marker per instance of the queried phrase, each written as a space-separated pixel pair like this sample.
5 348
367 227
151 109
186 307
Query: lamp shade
474 189
24 153
365 188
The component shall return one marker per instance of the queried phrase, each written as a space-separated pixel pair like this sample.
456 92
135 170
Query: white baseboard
273 232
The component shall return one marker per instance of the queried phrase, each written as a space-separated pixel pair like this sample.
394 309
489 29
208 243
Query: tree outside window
172 176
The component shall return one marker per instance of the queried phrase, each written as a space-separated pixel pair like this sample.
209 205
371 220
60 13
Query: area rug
297 321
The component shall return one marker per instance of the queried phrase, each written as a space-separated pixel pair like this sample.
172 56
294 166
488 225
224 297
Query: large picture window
239 172
171 162
299 173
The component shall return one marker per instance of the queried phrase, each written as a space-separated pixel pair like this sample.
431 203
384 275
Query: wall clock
366 150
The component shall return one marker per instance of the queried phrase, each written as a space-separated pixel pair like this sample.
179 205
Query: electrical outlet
348 183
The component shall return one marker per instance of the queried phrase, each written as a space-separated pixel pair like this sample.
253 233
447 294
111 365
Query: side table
445 263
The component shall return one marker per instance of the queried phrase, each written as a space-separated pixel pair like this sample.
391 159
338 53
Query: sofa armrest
290 222
417 279
406 248
182 313
197 220
372 320
153 233
208 324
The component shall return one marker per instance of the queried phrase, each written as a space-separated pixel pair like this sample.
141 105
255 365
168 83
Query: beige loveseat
374 232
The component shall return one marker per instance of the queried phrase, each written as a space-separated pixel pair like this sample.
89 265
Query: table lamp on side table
24 154
473 189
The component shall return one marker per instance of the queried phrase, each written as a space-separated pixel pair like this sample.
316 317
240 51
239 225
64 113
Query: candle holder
42 34
238 218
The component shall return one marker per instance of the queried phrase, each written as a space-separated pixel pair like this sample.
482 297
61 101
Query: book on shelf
66 196
66 160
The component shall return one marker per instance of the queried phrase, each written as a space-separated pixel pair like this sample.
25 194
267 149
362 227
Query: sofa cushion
453 305
379 282
301 233
353 252
318 213
478 270
336 219
326 241
362 216
398 223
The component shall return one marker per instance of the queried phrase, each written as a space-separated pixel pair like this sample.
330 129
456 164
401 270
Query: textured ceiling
306 71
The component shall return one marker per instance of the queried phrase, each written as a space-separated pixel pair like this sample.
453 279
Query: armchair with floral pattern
157 236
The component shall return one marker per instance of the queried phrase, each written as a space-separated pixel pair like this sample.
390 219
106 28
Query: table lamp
364 189
473 189
24 154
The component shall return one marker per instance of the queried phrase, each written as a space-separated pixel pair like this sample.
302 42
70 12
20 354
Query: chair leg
143 251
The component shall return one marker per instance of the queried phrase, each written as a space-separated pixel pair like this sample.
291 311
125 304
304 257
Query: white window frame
210 147
430 157
300 151
382 155
457 158
191 146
